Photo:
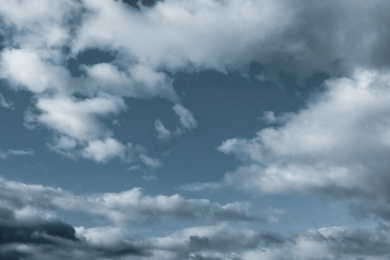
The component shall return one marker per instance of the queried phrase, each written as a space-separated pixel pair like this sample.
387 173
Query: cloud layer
31 229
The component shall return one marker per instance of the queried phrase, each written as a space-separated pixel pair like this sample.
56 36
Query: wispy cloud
6 103
16 152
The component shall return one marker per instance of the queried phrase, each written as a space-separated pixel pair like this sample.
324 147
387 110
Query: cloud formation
51 238
149 43
338 144
6 103
16 152
123 208
38 238
30 229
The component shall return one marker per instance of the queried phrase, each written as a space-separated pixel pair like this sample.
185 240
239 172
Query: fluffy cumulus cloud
337 144
179 34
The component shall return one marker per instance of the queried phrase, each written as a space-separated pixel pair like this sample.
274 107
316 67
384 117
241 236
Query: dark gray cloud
53 239
137 3
37 238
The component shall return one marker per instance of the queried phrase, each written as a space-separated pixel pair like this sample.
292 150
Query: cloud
187 123
6 103
186 118
76 122
31 229
183 33
205 242
224 242
328 243
200 187
39 238
16 152
46 28
137 81
100 151
78 118
25 69
162 134
338 144
298 37
123 208
151 162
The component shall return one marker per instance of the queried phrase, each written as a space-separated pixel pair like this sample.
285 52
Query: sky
194 129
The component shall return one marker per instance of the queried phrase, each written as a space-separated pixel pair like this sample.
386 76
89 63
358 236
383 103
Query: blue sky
198 130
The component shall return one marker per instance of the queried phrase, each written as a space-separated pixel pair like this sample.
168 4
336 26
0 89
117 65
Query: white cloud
149 46
339 142
327 243
101 235
75 122
186 118
162 133
296 36
187 123
25 68
6 103
200 187
151 162
101 151
78 118
16 152
153 84
205 242
38 25
177 34
137 82
122 208
21 152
